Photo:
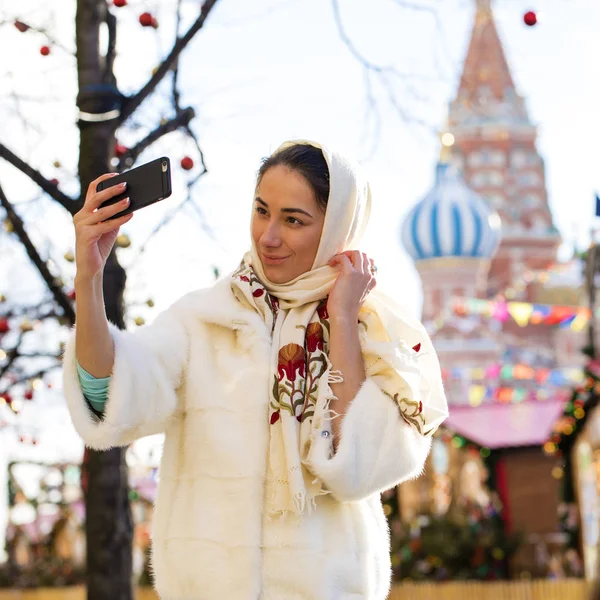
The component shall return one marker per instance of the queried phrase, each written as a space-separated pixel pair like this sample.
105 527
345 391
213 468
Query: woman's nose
271 236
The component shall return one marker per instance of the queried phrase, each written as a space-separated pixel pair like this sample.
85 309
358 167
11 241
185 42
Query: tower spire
486 90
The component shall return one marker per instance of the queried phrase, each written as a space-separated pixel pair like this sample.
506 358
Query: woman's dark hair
306 160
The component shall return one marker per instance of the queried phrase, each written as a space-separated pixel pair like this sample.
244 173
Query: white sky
269 70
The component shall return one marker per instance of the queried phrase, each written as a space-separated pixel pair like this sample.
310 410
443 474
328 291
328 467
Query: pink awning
506 425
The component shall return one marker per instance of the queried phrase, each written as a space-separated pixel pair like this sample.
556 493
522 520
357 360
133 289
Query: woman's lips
272 260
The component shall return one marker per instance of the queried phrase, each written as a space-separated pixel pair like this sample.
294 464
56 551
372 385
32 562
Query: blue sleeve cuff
95 389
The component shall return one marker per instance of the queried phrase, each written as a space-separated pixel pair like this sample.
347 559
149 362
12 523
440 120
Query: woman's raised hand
94 235
356 278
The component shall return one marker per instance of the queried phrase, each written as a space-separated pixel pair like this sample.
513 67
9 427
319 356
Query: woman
290 394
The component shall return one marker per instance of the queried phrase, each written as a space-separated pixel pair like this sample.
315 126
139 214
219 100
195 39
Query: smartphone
146 185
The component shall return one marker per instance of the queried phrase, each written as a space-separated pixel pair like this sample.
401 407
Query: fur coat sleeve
377 449
142 394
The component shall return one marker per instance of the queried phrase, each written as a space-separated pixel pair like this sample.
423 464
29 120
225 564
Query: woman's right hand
94 235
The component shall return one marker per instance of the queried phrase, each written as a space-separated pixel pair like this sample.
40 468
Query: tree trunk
109 526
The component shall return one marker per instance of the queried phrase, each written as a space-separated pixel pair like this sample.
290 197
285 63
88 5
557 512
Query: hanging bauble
45 50
28 395
187 163
4 326
123 241
57 164
8 226
120 3
69 256
71 294
139 321
150 302
120 150
22 27
6 397
34 441
54 181
2 298
146 19
26 325
530 18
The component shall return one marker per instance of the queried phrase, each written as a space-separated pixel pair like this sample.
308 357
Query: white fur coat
199 374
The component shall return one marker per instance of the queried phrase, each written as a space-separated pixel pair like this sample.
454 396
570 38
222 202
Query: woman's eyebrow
285 210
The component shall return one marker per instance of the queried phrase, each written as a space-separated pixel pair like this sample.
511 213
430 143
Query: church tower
495 149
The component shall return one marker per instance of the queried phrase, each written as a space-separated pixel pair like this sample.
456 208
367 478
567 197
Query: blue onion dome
451 220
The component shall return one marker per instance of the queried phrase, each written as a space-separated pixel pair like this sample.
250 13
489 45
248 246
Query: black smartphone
146 185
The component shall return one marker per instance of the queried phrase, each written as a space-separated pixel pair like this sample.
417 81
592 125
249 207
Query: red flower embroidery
322 311
314 337
258 293
244 278
417 347
274 417
291 362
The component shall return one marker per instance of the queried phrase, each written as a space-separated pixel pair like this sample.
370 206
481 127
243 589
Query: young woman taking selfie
291 394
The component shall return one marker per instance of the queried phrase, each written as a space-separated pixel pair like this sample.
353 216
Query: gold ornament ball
69 256
8 226
2 298
26 325
123 241
57 164
150 302
139 321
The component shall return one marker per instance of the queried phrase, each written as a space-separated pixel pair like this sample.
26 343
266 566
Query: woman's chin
278 275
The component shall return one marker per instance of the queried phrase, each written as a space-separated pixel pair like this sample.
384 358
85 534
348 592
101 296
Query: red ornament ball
146 19
28 395
22 27
187 163
119 3
45 50
120 150
530 18
4 327
71 295
54 181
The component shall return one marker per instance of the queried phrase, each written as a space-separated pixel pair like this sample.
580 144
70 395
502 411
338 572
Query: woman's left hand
355 280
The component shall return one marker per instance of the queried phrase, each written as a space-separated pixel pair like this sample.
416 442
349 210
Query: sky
269 70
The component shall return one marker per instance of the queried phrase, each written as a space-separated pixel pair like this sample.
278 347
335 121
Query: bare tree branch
35 375
181 120
131 103
37 177
36 259
51 40
111 23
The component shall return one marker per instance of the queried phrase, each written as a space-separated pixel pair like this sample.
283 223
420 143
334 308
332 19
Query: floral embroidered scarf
397 351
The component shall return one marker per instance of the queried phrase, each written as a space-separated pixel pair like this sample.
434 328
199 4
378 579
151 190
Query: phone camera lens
164 166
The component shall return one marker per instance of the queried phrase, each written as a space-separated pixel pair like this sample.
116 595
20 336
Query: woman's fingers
102 214
343 261
106 226
94 198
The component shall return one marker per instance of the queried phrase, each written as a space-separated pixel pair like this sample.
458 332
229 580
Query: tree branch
37 260
111 24
37 177
182 119
132 103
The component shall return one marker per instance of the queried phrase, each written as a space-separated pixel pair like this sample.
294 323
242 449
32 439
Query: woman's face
286 225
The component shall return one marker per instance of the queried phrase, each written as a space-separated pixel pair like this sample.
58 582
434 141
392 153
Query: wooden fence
568 589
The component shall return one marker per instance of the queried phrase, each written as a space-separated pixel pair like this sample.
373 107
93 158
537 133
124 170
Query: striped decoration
451 220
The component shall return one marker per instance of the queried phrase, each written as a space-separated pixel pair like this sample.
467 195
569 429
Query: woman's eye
260 210
294 221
